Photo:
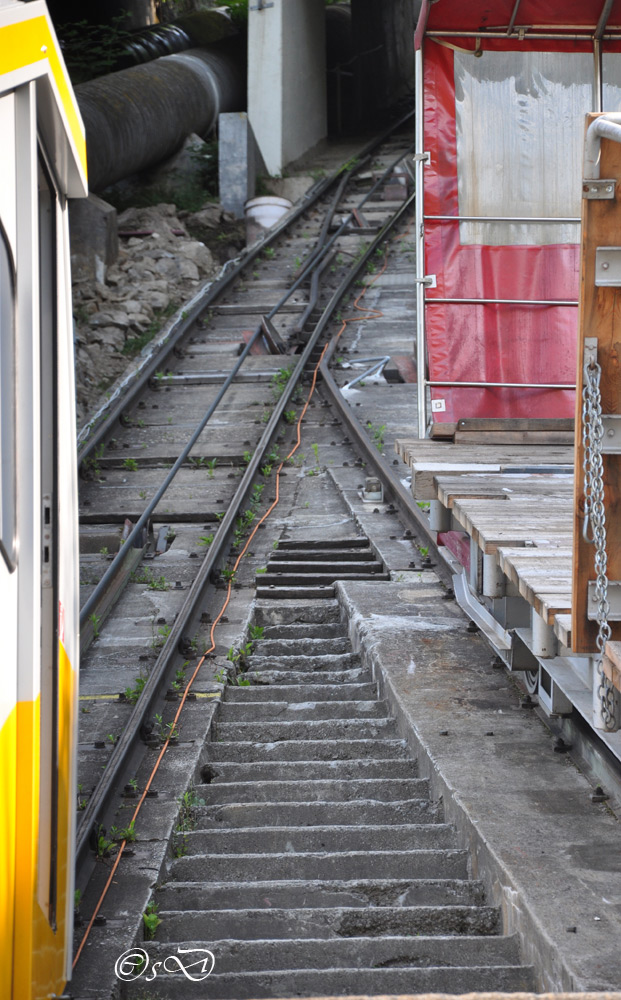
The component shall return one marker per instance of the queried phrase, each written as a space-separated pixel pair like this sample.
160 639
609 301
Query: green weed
151 921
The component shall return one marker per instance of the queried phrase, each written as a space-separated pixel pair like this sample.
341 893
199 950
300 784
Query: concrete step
310 646
328 729
325 544
286 894
344 982
295 839
327 631
290 592
293 613
322 575
359 675
379 790
322 564
340 770
327 922
322 866
321 749
328 661
307 556
290 711
300 693
362 812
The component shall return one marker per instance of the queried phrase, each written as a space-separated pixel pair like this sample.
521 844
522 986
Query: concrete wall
384 41
287 79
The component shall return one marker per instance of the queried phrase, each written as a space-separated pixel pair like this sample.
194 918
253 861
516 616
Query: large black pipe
139 116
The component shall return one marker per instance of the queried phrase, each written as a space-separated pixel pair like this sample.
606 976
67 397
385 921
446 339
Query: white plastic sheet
520 128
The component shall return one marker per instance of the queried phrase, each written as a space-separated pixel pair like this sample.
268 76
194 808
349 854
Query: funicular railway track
223 608
186 493
131 459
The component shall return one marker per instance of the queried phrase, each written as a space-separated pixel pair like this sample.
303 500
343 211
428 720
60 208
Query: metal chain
595 518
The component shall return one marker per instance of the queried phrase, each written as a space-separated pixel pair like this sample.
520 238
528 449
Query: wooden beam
599 317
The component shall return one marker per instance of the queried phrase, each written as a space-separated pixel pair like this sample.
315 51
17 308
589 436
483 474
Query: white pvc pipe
608 126
439 516
544 640
493 577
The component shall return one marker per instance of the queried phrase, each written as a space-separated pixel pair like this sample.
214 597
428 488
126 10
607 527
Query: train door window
7 405
48 824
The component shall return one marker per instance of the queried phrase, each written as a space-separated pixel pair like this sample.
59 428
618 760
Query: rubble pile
118 311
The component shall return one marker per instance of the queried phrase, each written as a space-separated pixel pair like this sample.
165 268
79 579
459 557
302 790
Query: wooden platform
514 505
492 486
516 521
428 459
542 576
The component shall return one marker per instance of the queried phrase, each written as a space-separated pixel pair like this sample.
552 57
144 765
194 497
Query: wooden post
599 317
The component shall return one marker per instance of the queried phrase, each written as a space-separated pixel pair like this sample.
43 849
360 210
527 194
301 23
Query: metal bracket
590 351
611 441
608 267
422 157
598 190
493 630
46 541
614 600
430 281
261 5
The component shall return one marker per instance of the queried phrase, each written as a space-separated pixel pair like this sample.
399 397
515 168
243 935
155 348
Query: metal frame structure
596 35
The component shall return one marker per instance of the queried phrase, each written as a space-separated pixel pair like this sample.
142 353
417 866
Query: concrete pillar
286 78
236 162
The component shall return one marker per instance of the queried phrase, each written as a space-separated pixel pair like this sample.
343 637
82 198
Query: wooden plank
542 576
447 455
501 486
424 475
496 523
443 431
551 606
612 663
599 317
515 437
436 451
515 424
562 629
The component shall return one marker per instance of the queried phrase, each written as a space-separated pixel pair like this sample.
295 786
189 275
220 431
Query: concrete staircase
319 864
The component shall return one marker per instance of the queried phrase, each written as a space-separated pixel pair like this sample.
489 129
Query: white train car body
43 162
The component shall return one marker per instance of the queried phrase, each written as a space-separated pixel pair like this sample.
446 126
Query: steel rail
104 420
113 568
393 487
318 264
151 696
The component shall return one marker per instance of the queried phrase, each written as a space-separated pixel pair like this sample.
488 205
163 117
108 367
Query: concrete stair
310 569
319 864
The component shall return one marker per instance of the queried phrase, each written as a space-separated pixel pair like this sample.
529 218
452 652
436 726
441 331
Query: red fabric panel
496 343
457 542
458 15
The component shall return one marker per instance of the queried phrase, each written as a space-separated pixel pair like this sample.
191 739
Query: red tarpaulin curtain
491 343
